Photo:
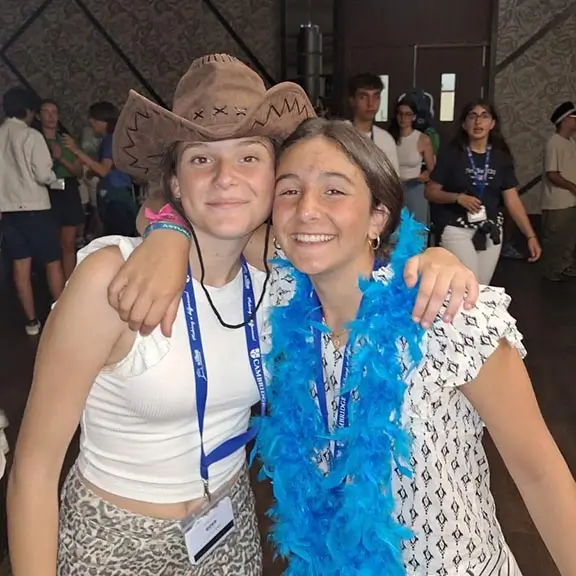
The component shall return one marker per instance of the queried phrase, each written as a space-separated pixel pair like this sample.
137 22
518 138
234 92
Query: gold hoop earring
374 243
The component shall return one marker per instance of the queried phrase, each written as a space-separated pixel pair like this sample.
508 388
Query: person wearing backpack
415 157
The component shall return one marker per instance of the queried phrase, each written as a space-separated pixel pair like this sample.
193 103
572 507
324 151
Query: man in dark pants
559 201
29 228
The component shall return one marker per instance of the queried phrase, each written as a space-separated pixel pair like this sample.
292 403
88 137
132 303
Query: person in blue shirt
116 203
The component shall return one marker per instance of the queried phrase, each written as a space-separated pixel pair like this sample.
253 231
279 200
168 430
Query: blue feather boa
341 523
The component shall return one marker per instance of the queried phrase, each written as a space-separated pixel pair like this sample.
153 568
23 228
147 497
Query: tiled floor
547 317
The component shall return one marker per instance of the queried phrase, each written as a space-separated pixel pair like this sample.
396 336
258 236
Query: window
447 97
382 114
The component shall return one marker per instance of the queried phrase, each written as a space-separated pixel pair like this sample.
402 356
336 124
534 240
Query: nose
225 174
308 207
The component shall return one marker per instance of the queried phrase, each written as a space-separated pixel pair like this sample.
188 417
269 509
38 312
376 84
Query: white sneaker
33 328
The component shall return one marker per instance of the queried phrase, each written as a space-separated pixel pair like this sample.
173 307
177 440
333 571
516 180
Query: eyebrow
241 144
292 176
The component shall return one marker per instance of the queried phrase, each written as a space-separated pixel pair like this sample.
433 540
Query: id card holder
479 216
59 184
207 528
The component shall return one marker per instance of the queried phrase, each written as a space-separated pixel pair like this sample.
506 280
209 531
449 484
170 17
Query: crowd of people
278 266
51 187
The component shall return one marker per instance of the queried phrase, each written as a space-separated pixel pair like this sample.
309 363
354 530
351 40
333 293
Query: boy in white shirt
364 93
30 230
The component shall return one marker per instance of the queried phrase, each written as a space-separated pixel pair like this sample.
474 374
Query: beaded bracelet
166 226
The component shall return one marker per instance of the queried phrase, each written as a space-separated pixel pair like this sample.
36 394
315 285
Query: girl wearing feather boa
373 439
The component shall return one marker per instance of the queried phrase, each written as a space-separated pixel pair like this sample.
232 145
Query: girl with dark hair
473 178
116 204
65 191
373 440
414 150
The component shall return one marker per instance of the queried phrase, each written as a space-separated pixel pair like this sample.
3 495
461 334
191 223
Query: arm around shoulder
82 335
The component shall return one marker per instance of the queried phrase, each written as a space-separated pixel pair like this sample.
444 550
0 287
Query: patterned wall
528 89
64 55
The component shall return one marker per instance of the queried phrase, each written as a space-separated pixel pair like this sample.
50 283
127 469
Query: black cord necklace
208 297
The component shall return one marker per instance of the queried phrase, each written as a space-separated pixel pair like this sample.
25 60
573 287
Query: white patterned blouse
447 503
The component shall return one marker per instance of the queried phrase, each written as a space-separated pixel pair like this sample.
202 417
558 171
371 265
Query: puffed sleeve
455 353
147 351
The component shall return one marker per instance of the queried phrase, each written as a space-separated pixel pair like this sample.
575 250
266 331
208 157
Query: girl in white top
160 485
341 430
414 150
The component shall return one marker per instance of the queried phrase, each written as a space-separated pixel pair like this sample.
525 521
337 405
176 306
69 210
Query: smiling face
479 123
323 216
225 187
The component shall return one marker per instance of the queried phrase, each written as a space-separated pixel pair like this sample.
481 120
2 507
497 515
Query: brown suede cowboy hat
219 98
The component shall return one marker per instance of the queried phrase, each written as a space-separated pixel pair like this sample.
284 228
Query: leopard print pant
99 539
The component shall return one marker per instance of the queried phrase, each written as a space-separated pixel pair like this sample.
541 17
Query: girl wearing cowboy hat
160 485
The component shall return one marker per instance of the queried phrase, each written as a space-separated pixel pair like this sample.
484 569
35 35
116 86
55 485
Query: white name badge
59 184
479 216
208 529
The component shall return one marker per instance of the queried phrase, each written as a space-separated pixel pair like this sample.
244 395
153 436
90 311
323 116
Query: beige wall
529 88
63 56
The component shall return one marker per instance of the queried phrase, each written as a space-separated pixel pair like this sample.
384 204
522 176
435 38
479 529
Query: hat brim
567 114
145 130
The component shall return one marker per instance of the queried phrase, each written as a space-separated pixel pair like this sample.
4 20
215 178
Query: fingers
170 317
458 286
436 299
425 291
138 312
126 301
411 271
464 290
115 290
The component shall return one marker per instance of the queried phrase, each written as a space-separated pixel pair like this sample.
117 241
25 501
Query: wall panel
528 88
79 58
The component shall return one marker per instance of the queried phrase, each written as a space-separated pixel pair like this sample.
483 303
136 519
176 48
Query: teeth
312 238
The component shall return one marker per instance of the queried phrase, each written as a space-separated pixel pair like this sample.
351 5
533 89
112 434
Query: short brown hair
380 176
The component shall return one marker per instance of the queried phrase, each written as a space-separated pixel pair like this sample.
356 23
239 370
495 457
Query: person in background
115 196
90 144
30 231
473 177
65 191
414 151
364 94
559 199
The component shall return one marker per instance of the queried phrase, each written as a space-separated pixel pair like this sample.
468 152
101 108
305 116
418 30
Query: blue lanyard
199 362
480 185
342 416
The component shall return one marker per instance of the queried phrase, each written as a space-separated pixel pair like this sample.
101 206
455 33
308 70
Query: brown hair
380 176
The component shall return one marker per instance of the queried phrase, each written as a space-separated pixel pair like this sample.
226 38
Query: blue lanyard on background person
480 185
231 445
